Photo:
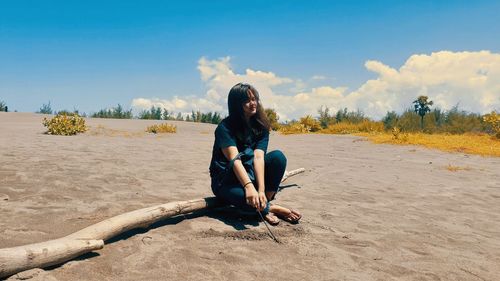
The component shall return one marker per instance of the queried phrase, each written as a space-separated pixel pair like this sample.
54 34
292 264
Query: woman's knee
276 157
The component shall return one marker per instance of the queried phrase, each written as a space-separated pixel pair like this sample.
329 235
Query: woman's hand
262 200
252 196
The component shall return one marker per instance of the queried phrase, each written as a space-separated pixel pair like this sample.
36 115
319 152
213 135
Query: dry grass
100 130
484 145
309 125
365 126
452 168
293 128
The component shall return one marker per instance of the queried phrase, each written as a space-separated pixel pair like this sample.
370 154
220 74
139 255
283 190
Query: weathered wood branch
142 218
52 252
292 173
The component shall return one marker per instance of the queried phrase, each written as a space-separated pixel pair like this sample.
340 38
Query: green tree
167 115
273 118
3 107
390 120
422 106
354 117
325 118
115 112
216 118
179 117
206 117
154 113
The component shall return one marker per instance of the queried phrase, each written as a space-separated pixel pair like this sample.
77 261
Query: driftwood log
57 251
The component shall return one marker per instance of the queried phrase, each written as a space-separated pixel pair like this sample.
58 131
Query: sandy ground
371 212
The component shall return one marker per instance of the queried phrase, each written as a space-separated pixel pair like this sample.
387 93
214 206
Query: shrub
493 123
398 136
306 124
311 124
293 128
161 128
65 124
459 122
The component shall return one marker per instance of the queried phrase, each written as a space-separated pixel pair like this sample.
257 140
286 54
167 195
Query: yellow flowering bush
65 124
161 128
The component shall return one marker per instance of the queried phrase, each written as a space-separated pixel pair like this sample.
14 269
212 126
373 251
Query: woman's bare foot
271 219
289 215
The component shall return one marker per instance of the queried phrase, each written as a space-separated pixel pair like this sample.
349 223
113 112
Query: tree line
418 118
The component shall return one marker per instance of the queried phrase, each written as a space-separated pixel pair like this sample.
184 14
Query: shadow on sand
229 215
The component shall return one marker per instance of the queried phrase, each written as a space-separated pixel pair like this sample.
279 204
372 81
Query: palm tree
422 106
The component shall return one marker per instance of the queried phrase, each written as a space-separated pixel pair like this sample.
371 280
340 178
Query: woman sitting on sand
243 174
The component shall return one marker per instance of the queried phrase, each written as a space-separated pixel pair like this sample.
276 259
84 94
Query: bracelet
247 184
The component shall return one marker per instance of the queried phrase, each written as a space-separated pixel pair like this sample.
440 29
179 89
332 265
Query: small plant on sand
65 124
161 128
493 121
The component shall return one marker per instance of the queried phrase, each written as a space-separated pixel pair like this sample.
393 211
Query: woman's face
250 106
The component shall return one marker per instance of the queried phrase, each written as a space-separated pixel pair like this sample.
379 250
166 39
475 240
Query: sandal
289 218
271 219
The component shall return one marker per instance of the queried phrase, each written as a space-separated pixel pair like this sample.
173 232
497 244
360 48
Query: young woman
243 174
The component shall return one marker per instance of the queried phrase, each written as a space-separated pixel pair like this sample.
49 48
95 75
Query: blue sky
94 54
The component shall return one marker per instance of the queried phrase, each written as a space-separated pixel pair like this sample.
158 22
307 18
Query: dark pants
274 169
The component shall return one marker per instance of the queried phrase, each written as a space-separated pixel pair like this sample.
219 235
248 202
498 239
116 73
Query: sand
371 212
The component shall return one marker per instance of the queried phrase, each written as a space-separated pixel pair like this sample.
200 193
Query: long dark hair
258 123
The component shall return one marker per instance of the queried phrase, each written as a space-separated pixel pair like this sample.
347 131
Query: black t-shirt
220 172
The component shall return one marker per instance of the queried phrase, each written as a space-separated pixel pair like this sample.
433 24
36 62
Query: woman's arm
258 164
251 194
259 169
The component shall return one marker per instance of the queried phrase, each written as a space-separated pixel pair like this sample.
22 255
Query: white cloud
470 79
318 77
